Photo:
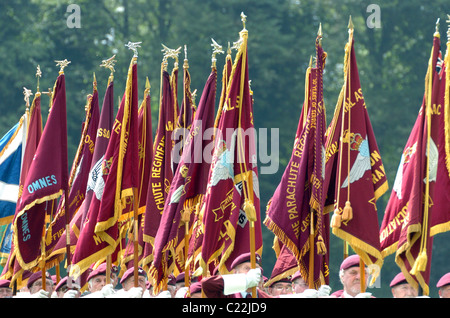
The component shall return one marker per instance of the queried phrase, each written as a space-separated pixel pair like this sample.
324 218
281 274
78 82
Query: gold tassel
250 211
321 248
336 219
48 239
347 213
420 264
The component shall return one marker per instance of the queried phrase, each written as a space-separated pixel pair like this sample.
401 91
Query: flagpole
311 251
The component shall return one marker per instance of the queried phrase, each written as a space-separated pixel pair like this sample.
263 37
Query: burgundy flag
231 203
161 170
117 176
12 269
186 191
103 134
78 178
46 180
145 160
56 232
289 210
196 237
418 195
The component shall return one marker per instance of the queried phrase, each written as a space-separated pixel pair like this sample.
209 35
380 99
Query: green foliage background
392 62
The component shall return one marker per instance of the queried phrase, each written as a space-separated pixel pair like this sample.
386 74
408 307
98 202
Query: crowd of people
240 283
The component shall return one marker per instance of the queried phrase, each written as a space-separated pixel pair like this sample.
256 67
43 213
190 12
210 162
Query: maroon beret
245 258
445 280
350 261
130 272
398 279
100 270
35 276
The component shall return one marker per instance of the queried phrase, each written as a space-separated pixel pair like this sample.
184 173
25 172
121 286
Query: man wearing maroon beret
349 274
401 288
239 284
444 286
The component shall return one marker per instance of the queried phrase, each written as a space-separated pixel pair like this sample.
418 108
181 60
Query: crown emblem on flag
355 141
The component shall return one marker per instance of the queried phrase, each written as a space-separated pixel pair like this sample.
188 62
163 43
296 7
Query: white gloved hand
70 294
108 290
164 294
423 297
324 291
364 295
181 293
54 295
134 292
309 293
253 277
40 294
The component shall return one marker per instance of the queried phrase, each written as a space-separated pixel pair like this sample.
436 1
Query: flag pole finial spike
147 83
38 75
243 19
186 63
310 61
319 33
134 46
217 49
350 23
62 64
27 93
436 32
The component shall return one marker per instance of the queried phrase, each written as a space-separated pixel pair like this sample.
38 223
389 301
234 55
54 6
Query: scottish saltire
161 169
299 195
355 175
46 181
117 177
77 180
12 269
416 194
12 146
186 191
231 215
145 161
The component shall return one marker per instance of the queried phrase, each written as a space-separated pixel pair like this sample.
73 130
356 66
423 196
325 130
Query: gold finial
350 23
147 83
194 95
243 19
38 75
217 49
436 32
109 64
27 93
171 53
186 63
229 49
134 46
94 82
62 64
320 34
310 61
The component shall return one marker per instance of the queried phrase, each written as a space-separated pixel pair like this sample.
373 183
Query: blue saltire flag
11 146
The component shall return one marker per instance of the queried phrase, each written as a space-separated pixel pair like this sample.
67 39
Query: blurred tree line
392 61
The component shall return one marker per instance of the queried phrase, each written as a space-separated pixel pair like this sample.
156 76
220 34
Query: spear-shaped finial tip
350 23
243 19
436 32
147 83
319 33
